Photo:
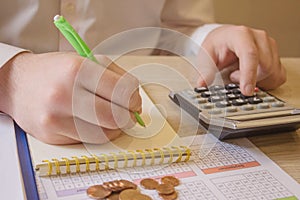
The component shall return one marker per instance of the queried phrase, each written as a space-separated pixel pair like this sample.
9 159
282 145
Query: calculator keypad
228 100
237 115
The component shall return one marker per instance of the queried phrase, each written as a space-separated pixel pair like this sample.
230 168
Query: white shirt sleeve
8 52
193 18
199 35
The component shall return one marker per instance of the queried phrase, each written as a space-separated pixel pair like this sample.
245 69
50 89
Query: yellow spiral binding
114 157
162 155
77 163
188 153
150 151
125 158
57 166
106 165
68 170
97 161
143 156
170 154
134 157
179 153
49 167
115 160
87 163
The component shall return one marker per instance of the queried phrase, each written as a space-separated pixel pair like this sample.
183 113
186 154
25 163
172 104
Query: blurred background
280 18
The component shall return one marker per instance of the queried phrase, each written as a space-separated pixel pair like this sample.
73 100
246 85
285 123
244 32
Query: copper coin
131 194
141 196
165 188
113 196
117 185
98 192
171 196
170 180
149 183
127 184
128 194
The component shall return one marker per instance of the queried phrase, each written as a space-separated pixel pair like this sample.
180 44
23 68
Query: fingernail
249 89
201 83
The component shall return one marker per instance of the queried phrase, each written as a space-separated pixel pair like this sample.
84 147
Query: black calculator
227 113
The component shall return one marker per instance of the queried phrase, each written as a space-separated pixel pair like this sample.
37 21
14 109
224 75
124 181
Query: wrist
8 81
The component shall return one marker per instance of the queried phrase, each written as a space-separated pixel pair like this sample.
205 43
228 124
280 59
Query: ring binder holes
142 155
139 159
67 163
187 152
49 167
162 155
57 166
179 152
115 160
77 164
133 154
87 163
105 159
151 155
169 154
97 161
126 159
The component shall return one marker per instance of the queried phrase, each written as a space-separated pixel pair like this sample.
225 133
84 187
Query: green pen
81 47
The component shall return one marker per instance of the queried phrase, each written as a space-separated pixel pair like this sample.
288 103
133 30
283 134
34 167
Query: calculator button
255 100
215 111
214 99
246 97
239 102
195 96
216 88
223 104
236 91
206 94
232 96
247 107
231 109
231 86
207 106
200 89
201 100
223 92
261 94
269 99
277 104
263 106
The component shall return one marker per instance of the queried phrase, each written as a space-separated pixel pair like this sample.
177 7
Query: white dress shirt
29 24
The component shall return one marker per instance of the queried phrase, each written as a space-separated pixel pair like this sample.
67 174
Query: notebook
156 144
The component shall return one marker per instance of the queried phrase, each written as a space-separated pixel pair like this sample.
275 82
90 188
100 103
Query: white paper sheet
219 170
11 182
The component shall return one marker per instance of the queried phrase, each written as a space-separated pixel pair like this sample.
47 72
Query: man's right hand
64 98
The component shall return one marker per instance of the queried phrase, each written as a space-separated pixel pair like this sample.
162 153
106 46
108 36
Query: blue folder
26 164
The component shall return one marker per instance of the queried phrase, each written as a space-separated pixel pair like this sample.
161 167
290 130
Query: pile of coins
116 190
127 190
165 189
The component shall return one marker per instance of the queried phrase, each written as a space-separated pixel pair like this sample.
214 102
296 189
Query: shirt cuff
198 37
8 52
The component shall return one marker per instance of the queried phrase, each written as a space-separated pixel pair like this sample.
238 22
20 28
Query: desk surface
282 148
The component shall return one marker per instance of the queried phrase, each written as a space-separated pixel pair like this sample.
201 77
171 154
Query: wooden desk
283 148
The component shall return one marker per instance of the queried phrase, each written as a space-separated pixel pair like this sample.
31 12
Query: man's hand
253 51
63 98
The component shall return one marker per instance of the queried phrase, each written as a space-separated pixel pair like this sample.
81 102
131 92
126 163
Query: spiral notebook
156 144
